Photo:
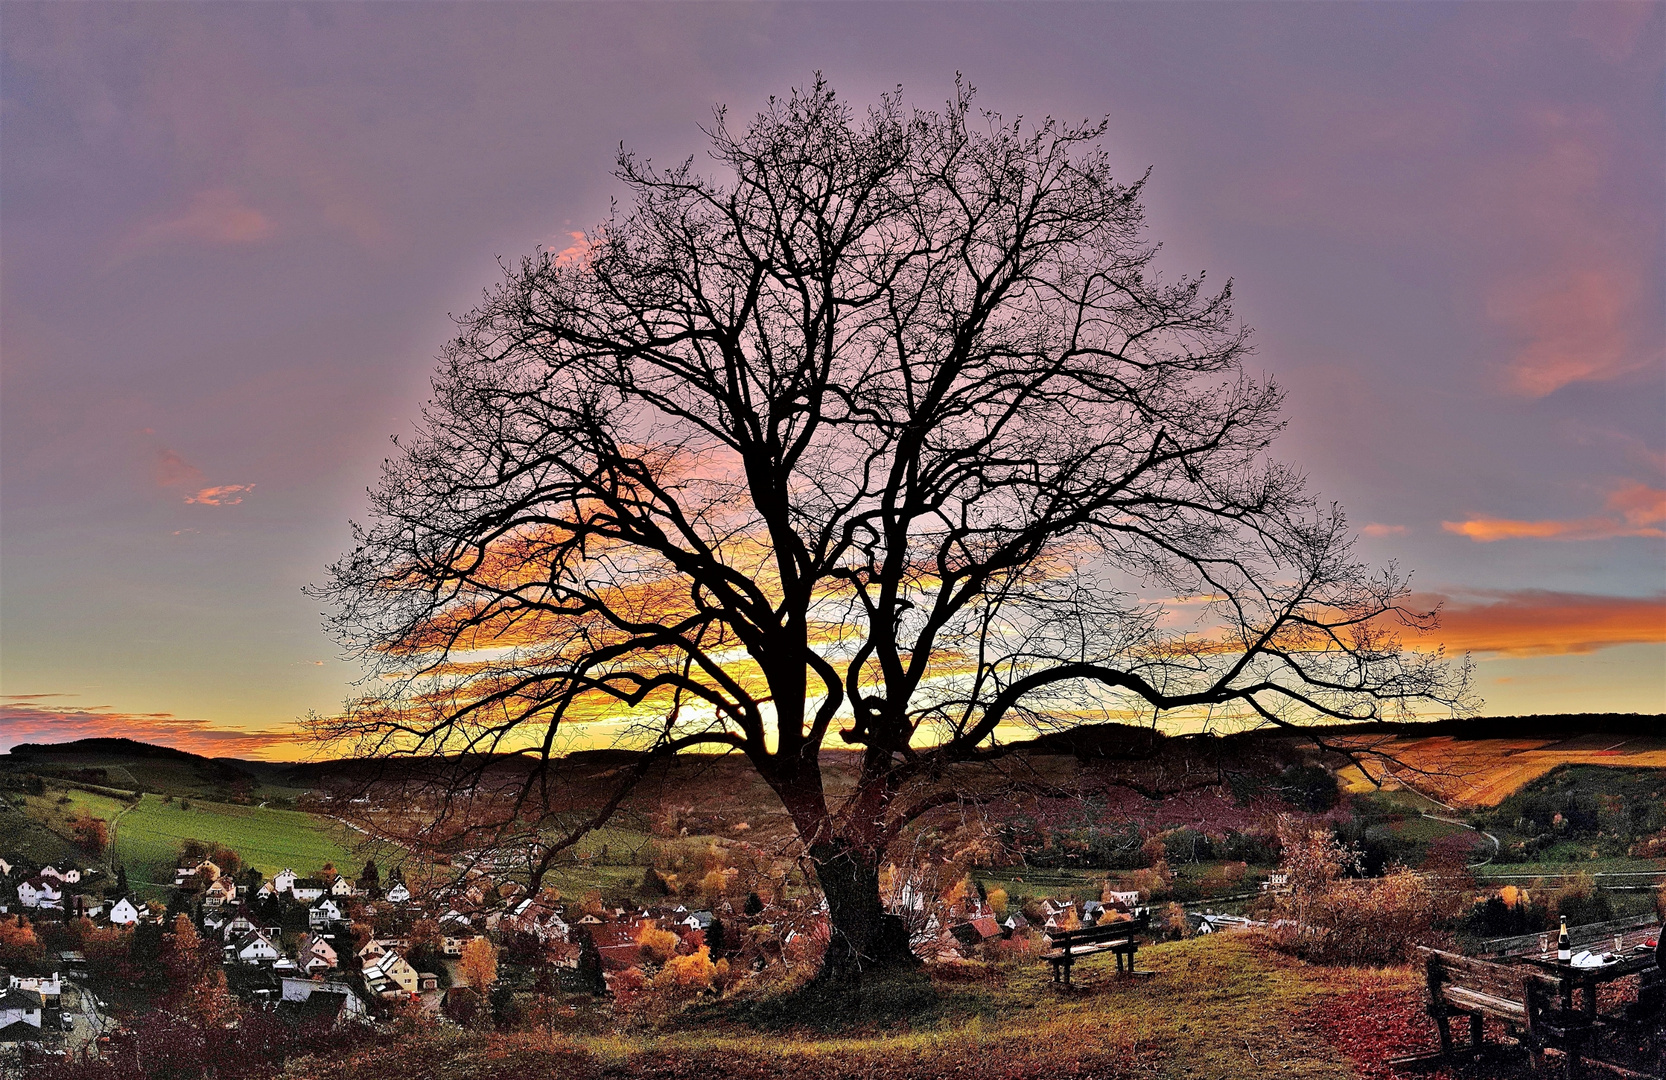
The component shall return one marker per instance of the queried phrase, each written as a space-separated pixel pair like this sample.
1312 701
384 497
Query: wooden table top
1636 955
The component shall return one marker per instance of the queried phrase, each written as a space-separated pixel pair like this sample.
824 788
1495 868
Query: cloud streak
1635 510
1577 328
172 470
1535 622
42 718
223 495
217 217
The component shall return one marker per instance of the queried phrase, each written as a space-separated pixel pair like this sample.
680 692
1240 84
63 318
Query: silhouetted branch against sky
878 424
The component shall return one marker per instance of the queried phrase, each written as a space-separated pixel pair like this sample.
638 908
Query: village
327 947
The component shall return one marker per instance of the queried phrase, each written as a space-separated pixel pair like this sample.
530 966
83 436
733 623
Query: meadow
1215 1008
147 835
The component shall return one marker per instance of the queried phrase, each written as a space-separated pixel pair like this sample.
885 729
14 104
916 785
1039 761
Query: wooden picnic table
1635 957
1524 987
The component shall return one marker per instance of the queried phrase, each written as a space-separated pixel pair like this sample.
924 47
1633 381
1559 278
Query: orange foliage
688 974
658 945
479 964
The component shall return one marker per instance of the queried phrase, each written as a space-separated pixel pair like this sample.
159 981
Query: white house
306 996
49 987
182 874
123 913
306 890
239 923
282 880
19 1006
254 948
315 954
398 893
341 886
38 892
323 913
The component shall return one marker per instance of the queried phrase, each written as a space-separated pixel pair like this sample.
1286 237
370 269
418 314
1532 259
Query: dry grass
1216 1008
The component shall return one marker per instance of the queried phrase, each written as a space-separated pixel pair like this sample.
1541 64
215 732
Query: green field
148 835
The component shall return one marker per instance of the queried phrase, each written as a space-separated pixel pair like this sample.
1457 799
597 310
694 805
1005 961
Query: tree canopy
892 436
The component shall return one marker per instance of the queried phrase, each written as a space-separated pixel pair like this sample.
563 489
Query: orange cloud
223 495
172 470
38 718
1636 511
218 216
576 252
1376 529
1535 622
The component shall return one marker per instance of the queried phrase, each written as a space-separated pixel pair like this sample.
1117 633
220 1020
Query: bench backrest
1506 981
1102 932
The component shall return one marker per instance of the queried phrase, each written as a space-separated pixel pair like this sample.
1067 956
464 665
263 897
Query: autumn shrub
20 949
1148 883
1329 919
1169 921
93 834
1581 902
1018 949
1374 921
658 946
685 976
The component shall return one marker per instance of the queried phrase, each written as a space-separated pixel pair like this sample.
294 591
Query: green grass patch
149 836
1427 830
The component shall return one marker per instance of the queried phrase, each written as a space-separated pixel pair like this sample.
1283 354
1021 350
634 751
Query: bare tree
892 431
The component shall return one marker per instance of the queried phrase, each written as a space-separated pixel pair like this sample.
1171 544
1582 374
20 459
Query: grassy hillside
125 765
1217 1008
147 835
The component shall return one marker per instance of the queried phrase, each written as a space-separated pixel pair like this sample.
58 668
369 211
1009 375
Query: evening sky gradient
232 234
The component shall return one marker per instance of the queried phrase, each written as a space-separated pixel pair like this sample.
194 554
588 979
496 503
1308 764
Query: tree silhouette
892 431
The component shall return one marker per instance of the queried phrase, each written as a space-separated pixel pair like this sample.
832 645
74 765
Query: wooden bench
1529 1002
1118 937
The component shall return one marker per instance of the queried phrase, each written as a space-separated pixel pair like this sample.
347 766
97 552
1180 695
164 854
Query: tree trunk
865 937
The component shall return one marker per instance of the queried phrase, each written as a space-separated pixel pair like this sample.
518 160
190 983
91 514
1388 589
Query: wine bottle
1564 948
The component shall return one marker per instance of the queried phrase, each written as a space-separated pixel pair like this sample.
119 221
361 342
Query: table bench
1529 1003
1119 938
1534 999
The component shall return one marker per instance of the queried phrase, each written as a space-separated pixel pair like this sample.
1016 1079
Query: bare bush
1330 919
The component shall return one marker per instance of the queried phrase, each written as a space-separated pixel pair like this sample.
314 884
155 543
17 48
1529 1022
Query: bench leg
1477 1033
1574 1067
1444 1024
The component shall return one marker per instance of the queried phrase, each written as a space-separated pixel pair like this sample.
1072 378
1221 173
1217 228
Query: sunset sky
232 234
